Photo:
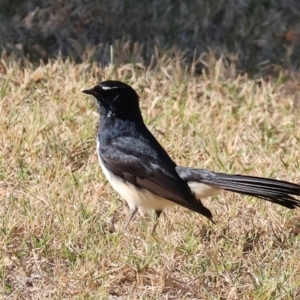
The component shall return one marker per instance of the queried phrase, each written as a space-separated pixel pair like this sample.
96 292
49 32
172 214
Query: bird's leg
132 213
157 213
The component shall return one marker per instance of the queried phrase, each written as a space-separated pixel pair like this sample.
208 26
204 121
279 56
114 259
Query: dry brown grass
261 32
60 222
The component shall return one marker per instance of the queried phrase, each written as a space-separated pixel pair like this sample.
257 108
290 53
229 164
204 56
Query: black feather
273 190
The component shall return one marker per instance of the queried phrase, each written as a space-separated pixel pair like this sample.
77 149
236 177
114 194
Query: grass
60 221
263 33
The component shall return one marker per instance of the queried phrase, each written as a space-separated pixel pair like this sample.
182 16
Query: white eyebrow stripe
110 88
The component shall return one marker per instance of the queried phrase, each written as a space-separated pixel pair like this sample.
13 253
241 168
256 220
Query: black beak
96 92
90 92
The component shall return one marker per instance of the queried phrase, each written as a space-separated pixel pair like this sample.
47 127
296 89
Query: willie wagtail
142 172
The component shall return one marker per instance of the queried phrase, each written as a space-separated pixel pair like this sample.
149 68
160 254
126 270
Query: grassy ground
262 32
60 221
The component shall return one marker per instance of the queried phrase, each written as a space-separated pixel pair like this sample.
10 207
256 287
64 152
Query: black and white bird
142 172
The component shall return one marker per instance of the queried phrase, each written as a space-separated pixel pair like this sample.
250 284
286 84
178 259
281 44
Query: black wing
141 166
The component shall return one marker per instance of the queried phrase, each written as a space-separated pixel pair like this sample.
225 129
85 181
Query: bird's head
115 99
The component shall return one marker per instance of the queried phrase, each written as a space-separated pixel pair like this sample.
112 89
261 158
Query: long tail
272 190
